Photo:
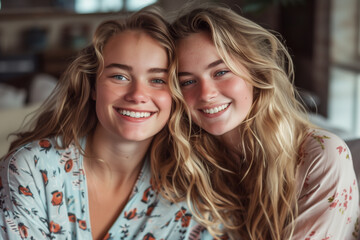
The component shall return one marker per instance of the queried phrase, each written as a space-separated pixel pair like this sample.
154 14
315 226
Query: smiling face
219 100
132 97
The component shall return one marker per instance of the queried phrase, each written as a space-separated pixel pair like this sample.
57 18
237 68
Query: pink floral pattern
328 194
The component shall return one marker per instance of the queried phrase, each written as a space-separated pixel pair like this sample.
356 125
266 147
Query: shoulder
323 146
38 154
325 159
324 140
32 152
327 188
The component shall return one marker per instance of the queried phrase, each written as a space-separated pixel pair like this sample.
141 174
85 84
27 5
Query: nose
208 90
137 93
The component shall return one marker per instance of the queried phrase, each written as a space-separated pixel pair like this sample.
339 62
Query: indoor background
38 38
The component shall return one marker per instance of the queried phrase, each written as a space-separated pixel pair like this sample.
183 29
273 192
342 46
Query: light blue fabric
43 195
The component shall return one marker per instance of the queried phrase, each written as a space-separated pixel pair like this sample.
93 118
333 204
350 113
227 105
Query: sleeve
328 200
23 213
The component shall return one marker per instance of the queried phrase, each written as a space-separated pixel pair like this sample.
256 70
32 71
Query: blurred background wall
38 39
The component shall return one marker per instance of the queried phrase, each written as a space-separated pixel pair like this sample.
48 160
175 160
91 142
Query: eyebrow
118 65
215 63
128 68
158 70
211 65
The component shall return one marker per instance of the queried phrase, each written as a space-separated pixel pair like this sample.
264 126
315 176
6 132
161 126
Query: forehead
196 40
129 39
197 52
135 45
196 49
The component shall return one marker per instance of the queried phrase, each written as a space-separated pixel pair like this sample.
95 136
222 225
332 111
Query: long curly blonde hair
252 195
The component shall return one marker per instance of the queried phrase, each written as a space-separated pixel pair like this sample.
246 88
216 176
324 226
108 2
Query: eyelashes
122 78
158 81
221 73
217 74
187 83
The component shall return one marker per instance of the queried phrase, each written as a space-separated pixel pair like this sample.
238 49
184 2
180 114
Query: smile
133 114
215 109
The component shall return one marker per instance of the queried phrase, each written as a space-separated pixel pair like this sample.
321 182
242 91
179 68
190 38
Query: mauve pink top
328 194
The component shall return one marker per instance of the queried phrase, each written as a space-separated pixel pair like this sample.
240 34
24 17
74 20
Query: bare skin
133 104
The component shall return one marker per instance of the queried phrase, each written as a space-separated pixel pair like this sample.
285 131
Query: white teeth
134 114
215 109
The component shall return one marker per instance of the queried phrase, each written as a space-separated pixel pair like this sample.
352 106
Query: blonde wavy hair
69 112
254 194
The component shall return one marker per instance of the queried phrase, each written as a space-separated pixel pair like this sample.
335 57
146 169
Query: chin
216 132
135 137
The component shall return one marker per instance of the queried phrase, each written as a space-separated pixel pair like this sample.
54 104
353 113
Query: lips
215 109
134 114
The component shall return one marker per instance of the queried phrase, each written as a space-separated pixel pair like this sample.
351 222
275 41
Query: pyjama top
328 194
43 195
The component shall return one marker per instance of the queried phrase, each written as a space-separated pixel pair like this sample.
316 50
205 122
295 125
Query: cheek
240 89
164 101
104 97
102 94
189 97
110 92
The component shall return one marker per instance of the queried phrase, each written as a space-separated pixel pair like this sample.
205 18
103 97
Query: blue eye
186 83
158 81
221 73
120 77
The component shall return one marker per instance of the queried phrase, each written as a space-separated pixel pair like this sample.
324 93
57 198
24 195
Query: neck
232 140
112 158
112 167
